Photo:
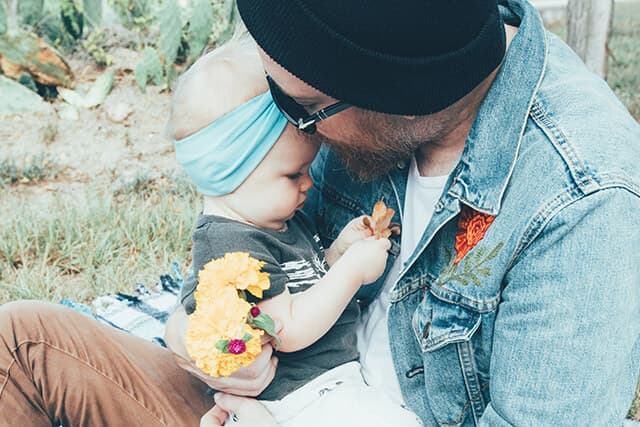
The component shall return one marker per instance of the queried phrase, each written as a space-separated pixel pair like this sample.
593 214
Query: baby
253 171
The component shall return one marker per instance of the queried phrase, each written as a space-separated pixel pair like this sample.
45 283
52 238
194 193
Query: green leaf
16 99
200 26
93 12
171 31
3 19
30 11
223 346
72 17
266 323
94 96
247 337
149 68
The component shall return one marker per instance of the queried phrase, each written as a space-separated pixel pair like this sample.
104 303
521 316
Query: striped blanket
142 313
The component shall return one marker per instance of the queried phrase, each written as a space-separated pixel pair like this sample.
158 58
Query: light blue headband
222 155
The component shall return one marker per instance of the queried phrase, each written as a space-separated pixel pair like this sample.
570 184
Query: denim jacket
539 323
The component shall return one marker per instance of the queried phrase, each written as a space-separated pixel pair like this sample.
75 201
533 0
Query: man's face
369 143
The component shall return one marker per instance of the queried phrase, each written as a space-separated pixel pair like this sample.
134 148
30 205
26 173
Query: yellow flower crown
225 329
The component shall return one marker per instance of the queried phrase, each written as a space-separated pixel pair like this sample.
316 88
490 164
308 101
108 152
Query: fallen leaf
381 217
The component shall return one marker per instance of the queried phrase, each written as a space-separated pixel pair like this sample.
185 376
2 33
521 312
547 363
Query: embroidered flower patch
463 268
472 226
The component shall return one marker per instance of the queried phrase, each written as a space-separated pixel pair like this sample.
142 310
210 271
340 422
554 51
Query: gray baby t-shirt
294 258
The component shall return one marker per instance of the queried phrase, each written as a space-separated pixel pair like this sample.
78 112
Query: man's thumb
229 402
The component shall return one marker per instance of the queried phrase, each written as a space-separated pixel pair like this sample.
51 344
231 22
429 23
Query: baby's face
277 188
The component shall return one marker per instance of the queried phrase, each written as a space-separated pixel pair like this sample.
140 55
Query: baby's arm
308 315
352 232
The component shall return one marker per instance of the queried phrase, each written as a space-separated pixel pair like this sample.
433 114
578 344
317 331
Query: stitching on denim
549 212
540 221
578 170
84 362
471 380
464 409
339 199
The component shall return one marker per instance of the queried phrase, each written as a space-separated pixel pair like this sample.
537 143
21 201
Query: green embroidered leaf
474 279
483 271
247 337
171 31
448 255
200 26
462 280
223 346
494 252
266 323
480 251
466 266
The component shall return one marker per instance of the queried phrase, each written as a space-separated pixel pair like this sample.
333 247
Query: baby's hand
368 258
352 232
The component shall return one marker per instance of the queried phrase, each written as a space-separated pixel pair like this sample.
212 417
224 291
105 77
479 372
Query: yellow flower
222 315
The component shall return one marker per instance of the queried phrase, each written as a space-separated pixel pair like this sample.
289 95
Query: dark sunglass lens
290 108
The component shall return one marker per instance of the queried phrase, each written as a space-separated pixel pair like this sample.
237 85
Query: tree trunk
11 10
588 28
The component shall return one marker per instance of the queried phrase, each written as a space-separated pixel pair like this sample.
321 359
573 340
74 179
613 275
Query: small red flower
255 311
472 226
237 346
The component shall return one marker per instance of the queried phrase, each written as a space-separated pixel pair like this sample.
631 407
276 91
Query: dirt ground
94 151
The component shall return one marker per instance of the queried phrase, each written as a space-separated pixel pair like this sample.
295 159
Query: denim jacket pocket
437 323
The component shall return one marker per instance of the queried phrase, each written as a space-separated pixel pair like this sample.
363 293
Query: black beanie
410 57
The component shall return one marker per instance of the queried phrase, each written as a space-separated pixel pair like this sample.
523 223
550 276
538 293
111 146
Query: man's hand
249 381
248 412
354 231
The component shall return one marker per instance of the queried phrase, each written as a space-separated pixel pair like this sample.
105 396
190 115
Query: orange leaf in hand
382 226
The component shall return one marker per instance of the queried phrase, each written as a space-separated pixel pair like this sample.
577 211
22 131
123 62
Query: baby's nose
306 183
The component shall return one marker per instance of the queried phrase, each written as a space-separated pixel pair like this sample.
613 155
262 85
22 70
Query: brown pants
58 367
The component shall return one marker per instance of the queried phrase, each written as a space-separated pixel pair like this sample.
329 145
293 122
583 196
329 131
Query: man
513 299
513 295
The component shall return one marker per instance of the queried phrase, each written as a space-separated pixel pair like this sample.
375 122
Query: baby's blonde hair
217 83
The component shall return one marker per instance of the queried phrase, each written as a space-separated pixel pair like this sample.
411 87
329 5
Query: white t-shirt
422 194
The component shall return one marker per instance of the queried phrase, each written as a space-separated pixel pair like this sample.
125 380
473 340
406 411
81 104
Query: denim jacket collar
483 172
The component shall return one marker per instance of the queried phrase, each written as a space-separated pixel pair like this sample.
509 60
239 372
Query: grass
624 54
80 248
30 171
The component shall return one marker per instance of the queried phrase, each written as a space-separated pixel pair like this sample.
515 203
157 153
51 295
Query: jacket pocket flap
437 323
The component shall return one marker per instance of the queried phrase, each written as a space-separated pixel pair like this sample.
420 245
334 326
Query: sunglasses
296 114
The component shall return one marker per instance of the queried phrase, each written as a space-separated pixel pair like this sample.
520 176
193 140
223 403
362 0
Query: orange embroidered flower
472 226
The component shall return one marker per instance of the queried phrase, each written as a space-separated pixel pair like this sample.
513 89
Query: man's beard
366 165
379 146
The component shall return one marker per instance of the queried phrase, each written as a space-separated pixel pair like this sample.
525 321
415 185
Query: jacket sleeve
566 347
